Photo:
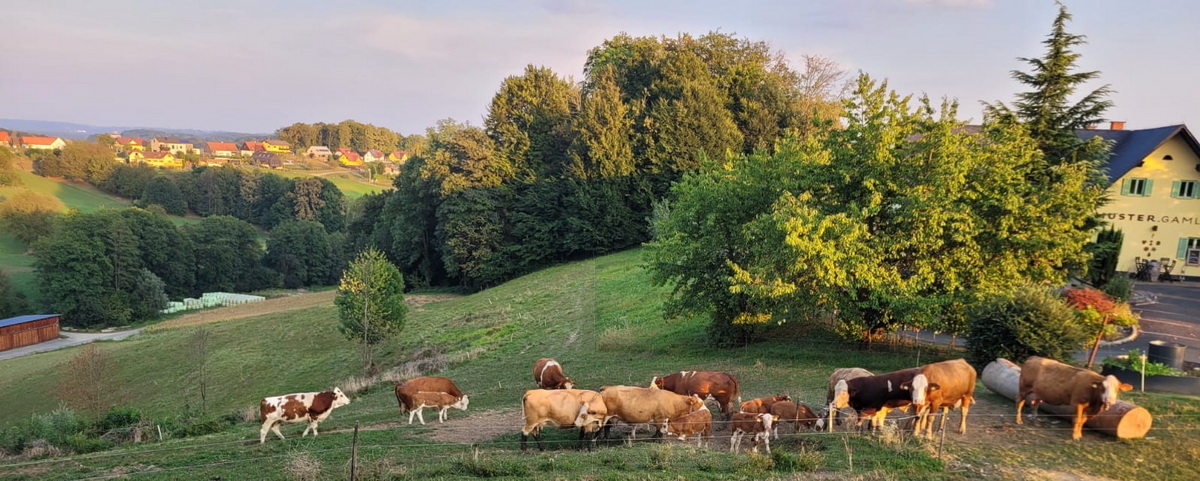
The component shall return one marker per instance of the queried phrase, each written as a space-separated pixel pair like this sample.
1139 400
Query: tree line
357 136
561 170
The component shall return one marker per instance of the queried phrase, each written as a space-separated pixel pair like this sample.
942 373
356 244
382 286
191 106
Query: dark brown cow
429 386
1053 382
310 407
943 385
698 423
722 387
642 405
756 424
548 374
565 408
763 404
841 374
797 414
875 395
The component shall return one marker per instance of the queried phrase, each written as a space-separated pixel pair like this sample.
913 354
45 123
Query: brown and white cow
789 412
763 404
1053 382
942 385
641 405
841 374
757 425
418 393
698 423
720 386
548 374
310 407
565 408
875 395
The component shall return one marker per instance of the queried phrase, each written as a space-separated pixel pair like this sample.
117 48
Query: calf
310 407
797 414
440 400
698 423
548 374
640 405
756 424
763 404
1053 382
942 385
564 408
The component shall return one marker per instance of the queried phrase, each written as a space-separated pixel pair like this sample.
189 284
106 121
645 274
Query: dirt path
277 304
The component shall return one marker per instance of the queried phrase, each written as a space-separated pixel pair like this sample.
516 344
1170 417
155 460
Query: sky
258 65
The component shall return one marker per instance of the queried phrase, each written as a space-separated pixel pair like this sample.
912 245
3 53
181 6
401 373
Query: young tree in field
898 218
199 351
1047 110
90 382
370 303
29 215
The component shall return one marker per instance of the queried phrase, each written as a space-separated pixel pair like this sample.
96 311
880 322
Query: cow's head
590 418
782 397
920 387
767 420
656 382
567 383
461 403
1107 389
841 395
339 399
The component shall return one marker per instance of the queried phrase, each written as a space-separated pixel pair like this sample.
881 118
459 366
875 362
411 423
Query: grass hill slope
601 319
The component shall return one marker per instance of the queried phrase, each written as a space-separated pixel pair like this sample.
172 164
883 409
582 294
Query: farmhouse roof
12 321
375 152
34 140
1132 146
222 146
253 146
352 156
4 136
277 142
318 149
158 155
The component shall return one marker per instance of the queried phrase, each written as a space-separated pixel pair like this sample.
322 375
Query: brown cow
698 423
310 407
797 414
1053 382
722 387
640 405
548 374
427 384
841 374
758 425
763 404
942 385
565 408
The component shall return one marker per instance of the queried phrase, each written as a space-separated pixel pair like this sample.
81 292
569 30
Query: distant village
172 153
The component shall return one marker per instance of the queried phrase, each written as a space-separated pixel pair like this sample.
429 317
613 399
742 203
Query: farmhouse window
1136 187
1188 246
1183 189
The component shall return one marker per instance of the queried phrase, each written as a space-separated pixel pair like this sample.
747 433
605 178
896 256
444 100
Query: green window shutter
1182 252
1149 187
1175 189
1124 186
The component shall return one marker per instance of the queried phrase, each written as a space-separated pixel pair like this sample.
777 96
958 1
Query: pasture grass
602 320
351 184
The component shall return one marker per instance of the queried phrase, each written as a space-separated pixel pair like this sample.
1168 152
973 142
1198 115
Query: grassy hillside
601 319
352 185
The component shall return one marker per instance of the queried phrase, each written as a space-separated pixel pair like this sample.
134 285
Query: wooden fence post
354 455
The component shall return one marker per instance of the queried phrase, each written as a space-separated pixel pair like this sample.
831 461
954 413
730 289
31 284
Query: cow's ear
1125 387
934 387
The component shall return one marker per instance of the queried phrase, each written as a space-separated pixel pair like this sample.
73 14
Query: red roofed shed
25 330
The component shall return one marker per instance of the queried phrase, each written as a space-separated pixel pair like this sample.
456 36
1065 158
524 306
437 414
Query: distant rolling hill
69 130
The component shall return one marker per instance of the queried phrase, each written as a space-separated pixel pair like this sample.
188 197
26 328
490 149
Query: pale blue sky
257 65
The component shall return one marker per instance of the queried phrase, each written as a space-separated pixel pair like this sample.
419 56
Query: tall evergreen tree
604 145
1047 111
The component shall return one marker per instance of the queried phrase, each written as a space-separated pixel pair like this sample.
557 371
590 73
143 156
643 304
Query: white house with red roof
222 149
42 143
5 139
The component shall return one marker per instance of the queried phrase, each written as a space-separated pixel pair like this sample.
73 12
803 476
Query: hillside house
267 159
1154 195
130 144
222 149
398 156
373 155
318 152
164 159
5 139
250 147
25 330
42 143
389 168
277 146
135 157
351 159
170 144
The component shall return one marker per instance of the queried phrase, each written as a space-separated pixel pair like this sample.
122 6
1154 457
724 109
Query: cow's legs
314 426
411 414
734 441
442 414
767 441
1021 403
1078 431
966 405
262 433
421 413
276 430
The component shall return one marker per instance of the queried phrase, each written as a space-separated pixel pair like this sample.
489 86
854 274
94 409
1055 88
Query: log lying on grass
1124 420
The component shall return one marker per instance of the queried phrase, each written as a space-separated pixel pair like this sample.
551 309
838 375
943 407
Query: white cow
311 407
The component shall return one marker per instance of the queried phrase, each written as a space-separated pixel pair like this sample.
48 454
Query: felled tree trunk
1124 420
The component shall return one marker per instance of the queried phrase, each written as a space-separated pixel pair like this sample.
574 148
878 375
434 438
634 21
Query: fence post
354 455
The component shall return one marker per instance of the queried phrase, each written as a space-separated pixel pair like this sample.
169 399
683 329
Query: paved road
68 339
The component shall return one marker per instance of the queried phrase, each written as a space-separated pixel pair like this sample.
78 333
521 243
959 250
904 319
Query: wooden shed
25 330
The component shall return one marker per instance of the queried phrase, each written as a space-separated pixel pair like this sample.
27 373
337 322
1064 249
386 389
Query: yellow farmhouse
1154 196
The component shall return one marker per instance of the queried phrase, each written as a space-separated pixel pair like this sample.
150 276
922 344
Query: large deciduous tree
370 303
896 219
300 251
529 121
29 215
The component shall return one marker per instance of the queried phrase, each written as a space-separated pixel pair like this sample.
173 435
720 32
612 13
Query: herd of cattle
675 404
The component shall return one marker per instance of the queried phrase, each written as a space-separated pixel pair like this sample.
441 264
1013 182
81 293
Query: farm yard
602 320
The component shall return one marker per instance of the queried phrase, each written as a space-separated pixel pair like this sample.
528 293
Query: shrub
1119 288
117 417
1133 362
1030 321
